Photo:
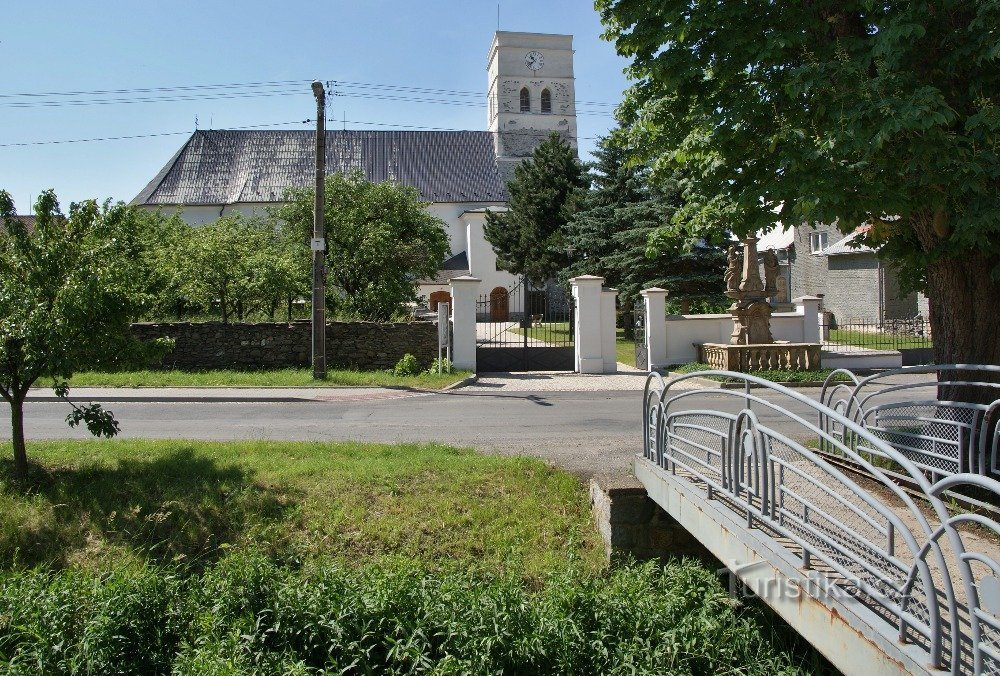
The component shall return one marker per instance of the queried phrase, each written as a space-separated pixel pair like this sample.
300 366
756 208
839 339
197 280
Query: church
461 174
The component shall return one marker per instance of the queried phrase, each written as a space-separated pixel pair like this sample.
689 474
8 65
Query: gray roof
456 266
845 247
256 166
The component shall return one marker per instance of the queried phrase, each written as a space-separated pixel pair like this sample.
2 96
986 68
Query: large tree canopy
528 238
847 111
67 291
380 239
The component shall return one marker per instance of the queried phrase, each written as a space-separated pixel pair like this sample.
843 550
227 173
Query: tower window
546 101
525 100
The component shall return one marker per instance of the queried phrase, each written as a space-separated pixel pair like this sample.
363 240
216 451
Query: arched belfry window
546 101
525 100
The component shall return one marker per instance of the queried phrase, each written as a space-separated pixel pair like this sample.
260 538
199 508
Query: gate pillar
655 300
464 291
595 316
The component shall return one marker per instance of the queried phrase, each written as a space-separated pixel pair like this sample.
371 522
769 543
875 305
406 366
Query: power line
235 90
272 124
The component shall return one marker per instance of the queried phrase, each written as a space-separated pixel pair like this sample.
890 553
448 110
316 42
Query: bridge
867 523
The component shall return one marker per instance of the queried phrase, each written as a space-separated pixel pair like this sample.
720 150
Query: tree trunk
289 309
17 436
965 324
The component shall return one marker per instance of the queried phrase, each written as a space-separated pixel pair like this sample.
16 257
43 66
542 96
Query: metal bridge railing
930 574
921 419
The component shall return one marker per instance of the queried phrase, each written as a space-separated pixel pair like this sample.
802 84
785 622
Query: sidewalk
228 394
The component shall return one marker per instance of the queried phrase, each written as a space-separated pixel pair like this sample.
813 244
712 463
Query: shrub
407 366
441 362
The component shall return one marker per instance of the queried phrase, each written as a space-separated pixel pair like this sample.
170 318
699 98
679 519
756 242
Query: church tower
531 93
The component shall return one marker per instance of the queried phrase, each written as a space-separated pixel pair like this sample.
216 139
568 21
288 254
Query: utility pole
319 241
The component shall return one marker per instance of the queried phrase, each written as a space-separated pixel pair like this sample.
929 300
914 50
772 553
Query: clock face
534 60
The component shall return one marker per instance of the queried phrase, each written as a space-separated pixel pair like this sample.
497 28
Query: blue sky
84 46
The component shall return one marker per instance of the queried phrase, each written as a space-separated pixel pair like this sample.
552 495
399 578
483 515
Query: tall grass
249 614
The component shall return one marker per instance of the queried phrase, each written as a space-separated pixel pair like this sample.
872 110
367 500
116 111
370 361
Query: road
589 433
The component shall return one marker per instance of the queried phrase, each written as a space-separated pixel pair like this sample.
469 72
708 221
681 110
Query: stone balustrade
764 357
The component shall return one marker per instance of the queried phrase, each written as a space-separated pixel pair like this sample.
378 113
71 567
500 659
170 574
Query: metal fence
890 334
901 553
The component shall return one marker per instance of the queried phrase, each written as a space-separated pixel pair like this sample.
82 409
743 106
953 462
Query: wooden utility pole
319 241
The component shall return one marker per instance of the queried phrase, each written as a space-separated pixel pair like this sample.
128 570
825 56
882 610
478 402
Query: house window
525 100
817 241
546 101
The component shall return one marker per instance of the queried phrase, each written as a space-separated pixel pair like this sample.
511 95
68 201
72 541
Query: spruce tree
617 233
529 237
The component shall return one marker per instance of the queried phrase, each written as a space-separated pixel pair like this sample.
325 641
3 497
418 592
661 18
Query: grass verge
187 501
777 376
275 378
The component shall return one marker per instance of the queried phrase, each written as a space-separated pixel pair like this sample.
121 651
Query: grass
877 340
275 378
187 501
778 376
135 556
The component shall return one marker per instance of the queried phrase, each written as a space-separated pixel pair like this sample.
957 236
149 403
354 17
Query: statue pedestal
768 357
751 322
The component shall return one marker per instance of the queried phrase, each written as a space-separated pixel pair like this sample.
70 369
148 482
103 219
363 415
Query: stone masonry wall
634 527
361 345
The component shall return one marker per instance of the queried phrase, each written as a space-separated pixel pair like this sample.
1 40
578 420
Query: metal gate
641 349
525 329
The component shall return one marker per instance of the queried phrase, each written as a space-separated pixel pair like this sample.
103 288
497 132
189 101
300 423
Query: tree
528 238
66 292
616 233
380 239
240 265
846 111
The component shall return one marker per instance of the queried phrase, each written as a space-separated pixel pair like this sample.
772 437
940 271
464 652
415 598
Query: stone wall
361 345
634 527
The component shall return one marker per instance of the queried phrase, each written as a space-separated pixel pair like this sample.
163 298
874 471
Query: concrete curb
174 400
461 383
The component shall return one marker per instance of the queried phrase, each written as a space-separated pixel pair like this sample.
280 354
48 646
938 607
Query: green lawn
878 341
277 378
166 501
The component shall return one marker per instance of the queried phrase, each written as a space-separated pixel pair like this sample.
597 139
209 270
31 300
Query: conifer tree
617 233
529 237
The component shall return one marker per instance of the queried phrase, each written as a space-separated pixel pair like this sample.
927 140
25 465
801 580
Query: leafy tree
846 111
380 239
616 233
161 264
528 238
241 265
66 292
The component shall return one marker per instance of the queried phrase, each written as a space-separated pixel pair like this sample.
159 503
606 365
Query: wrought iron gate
525 329
641 349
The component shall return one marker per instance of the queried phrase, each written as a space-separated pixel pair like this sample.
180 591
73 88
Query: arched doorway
499 304
438 297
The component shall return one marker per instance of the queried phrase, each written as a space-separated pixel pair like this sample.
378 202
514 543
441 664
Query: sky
409 65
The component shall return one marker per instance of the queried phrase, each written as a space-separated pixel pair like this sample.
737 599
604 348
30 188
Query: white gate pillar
655 301
590 330
464 291
808 307
609 325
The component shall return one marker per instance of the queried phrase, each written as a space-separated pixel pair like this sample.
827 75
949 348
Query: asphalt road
589 433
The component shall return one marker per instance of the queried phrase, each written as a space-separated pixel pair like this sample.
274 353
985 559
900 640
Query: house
856 287
462 174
